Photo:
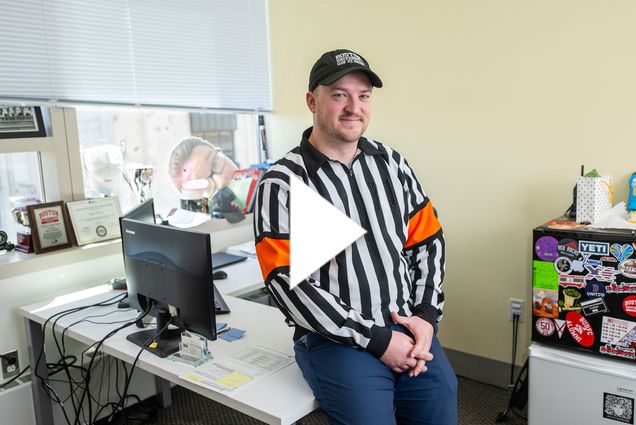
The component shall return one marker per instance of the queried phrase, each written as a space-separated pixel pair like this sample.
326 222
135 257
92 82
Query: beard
340 133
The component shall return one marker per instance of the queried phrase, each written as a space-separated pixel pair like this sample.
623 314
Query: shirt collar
314 159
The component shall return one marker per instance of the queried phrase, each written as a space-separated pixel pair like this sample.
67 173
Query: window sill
15 263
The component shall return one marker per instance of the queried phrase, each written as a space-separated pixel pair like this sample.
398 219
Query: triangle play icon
318 231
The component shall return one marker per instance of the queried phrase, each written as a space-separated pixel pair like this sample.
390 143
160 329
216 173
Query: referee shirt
398 265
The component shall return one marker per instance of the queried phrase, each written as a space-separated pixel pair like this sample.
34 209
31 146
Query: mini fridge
568 387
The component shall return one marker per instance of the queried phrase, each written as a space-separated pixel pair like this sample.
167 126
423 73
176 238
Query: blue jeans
354 387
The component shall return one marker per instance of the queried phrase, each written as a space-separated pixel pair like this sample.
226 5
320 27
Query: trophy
24 240
139 177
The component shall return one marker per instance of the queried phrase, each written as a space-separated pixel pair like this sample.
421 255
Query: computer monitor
143 212
170 271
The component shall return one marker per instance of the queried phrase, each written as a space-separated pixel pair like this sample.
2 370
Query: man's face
343 109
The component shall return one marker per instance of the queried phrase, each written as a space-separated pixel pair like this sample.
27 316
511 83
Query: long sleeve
308 304
425 249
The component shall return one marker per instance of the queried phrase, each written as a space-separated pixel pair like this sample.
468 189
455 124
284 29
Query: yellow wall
496 104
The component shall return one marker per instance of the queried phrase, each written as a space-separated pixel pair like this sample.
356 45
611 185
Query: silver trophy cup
139 178
24 240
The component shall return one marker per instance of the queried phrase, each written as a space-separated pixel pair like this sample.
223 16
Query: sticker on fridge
580 329
545 326
628 268
621 252
594 248
619 332
601 273
594 306
618 408
544 276
546 248
545 302
568 248
629 305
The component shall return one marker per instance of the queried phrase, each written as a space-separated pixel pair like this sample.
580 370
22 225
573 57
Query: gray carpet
478 404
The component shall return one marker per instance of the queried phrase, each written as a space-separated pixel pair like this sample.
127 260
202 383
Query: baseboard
481 369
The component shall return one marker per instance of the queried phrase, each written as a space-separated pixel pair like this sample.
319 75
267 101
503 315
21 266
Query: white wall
496 104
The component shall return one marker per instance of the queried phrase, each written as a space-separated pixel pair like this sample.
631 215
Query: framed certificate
95 220
17 121
49 226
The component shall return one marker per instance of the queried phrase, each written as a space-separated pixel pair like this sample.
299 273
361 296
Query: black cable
515 328
111 333
146 343
51 393
516 386
74 386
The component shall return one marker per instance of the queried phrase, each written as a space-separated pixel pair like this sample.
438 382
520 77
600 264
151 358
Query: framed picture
50 228
95 220
17 121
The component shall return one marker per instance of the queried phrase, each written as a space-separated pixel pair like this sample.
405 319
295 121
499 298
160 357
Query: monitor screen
170 271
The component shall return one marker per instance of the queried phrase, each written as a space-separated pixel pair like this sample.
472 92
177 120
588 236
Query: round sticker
545 326
629 305
546 248
563 265
628 268
568 248
580 329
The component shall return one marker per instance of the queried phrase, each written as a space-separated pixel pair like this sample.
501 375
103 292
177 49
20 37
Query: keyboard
220 307
220 259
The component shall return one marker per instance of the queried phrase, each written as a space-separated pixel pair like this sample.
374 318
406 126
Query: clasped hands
405 353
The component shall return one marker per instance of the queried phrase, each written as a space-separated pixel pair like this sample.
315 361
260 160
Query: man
365 322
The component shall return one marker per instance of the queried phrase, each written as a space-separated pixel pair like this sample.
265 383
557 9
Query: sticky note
234 380
192 377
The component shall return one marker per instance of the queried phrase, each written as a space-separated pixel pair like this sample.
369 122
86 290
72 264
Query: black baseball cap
225 203
335 64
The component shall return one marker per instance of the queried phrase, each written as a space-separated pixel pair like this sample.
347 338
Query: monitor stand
166 343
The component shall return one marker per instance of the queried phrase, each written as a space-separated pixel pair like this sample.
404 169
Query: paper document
183 218
229 373
248 248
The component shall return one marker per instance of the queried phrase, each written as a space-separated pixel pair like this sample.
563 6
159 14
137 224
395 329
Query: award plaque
49 226
95 220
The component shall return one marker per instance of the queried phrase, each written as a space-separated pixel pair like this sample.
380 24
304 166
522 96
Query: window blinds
192 53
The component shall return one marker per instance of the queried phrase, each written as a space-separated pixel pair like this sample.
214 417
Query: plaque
49 226
95 220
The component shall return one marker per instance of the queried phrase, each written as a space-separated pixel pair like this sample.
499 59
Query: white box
594 196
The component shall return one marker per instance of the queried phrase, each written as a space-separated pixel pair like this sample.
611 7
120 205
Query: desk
279 398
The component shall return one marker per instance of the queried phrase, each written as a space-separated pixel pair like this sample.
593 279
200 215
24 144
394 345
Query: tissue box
593 198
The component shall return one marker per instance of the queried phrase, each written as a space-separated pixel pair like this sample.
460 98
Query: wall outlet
10 365
515 308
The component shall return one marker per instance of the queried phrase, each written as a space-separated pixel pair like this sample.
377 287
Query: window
124 82
19 177
113 139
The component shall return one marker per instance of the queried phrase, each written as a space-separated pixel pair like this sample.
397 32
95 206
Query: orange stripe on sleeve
272 253
422 225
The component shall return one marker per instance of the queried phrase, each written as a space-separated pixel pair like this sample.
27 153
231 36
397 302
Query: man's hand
423 333
398 355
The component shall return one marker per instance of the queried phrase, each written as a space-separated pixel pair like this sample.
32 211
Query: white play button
318 231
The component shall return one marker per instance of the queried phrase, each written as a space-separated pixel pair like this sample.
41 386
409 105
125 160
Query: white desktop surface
242 277
279 398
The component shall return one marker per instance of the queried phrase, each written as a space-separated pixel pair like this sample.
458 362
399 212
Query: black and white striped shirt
397 266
